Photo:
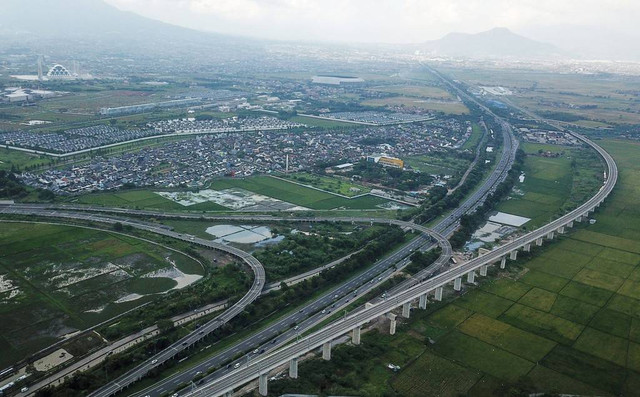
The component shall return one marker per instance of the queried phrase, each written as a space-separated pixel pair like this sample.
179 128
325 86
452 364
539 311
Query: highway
311 313
260 367
307 316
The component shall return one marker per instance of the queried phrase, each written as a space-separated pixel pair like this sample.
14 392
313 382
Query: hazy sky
382 20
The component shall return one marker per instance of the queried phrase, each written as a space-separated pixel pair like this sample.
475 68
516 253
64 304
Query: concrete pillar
355 336
503 262
579 219
406 310
471 277
262 384
561 230
438 293
483 270
550 235
570 224
539 242
457 284
423 301
392 324
527 247
228 394
293 368
326 351
513 255
368 305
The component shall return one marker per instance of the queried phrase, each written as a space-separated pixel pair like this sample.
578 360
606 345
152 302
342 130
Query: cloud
380 20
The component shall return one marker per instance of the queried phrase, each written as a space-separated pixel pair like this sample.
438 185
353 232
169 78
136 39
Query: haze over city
299 197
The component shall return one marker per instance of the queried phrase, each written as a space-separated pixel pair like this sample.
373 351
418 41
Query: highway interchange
251 365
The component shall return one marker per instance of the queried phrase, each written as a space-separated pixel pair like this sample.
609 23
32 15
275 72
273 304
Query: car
24 389
174 395
334 305
261 351
237 365
296 327
184 343
379 278
301 311
347 301
335 296
274 341
229 366
324 311
198 373
201 333
255 351
154 361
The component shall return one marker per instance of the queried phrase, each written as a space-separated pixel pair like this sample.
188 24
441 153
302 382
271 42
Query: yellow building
391 162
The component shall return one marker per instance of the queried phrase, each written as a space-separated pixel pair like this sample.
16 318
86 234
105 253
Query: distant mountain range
94 23
494 43
89 24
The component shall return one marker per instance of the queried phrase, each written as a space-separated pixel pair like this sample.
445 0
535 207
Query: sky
384 21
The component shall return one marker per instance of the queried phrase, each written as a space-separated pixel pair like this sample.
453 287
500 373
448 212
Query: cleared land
450 107
331 184
296 194
552 184
56 279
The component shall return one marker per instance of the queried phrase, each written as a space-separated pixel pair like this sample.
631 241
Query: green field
296 194
450 107
448 164
142 199
474 139
552 184
322 123
331 184
420 91
56 279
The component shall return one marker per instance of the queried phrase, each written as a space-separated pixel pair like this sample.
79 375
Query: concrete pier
423 302
293 368
471 277
483 270
513 255
539 242
392 324
570 224
561 230
262 384
355 336
550 235
406 310
457 284
438 294
527 247
326 351
503 262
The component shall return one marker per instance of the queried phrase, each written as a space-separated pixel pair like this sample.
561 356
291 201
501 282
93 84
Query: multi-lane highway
305 317
260 367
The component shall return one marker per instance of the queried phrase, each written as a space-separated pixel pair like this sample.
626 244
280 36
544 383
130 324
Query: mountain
94 24
494 43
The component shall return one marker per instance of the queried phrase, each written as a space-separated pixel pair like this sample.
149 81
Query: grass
331 184
420 91
322 123
296 194
448 107
65 278
474 138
